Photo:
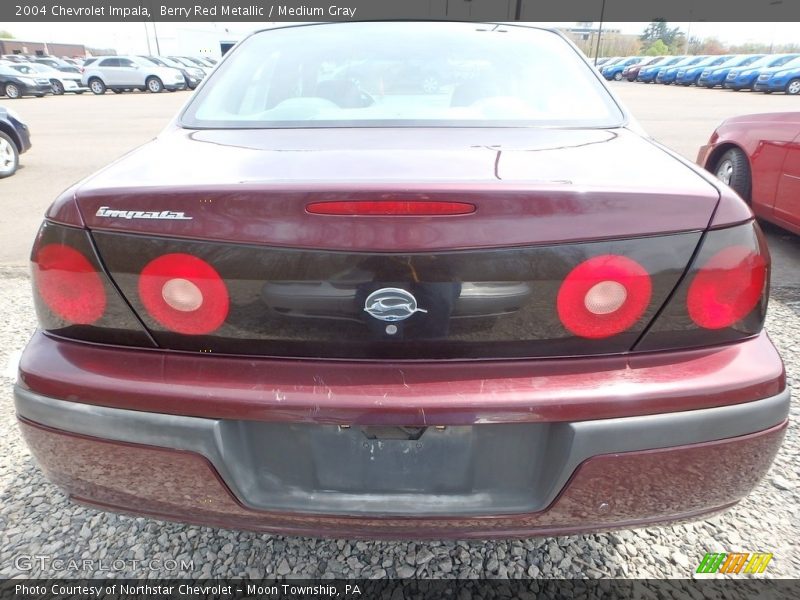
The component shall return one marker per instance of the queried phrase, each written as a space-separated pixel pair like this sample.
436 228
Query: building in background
612 41
213 41
42 48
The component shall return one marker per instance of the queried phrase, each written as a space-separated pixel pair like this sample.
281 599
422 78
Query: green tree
659 30
678 45
657 48
6 35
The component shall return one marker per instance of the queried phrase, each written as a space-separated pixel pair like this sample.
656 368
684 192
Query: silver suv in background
122 73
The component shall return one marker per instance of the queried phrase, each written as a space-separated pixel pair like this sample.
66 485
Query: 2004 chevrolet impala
383 279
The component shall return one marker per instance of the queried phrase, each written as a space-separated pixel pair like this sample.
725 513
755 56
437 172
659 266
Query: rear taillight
73 296
69 284
727 287
603 296
390 208
722 297
184 294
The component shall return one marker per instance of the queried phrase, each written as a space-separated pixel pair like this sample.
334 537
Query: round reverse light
184 294
605 297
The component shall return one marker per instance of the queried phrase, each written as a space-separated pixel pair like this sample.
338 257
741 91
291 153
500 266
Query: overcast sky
131 37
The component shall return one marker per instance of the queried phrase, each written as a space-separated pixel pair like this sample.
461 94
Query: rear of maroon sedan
326 301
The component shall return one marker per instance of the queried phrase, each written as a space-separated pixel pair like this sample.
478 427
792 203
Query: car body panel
71 82
407 393
745 77
631 72
28 86
333 163
630 489
690 74
668 74
613 71
770 141
778 80
309 399
787 198
715 76
648 74
16 129
130 72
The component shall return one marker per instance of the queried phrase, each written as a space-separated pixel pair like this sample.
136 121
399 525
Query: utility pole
147 37
155 33
599 32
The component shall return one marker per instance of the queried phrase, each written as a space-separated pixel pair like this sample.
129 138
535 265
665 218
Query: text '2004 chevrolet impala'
382 279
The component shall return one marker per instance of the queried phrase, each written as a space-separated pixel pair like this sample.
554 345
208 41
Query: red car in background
321 304
759 157
630 73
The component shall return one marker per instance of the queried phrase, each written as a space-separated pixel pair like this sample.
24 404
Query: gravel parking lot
75 135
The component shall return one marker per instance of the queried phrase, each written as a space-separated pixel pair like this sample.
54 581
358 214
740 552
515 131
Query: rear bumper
608 490
504 450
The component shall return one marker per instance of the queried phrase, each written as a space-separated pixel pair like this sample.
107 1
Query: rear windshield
403 74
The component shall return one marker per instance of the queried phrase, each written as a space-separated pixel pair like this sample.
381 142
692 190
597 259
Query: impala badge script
169 215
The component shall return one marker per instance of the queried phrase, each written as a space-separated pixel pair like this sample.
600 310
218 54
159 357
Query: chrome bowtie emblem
391 304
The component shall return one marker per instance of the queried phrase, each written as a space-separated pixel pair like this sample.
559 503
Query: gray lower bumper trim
471 470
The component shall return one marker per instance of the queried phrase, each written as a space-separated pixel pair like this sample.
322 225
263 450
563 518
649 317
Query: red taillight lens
184 293
391 208
727 287
69 284
603 296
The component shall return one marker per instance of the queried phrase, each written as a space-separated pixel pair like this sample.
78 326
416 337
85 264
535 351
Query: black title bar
347 10
397 589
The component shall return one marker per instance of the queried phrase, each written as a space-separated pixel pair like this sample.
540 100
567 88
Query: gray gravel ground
36 518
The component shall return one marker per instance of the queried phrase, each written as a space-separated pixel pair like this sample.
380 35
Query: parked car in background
57 63
14 84
648 73
716 76
745 77
759 157
632 71
614 72
191 75
607 61
60 81
690 74
668 73
190 64
199 62
334 307
17 58
602 60
780 79
15 139
124 73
